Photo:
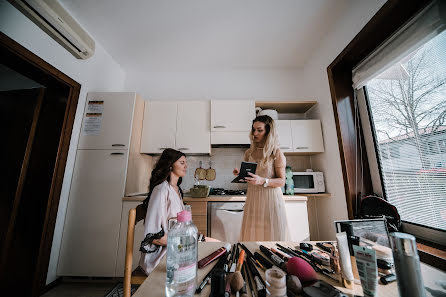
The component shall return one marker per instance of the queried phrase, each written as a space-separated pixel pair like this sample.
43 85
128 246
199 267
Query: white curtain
425 26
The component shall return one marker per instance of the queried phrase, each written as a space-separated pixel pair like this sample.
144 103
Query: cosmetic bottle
407 265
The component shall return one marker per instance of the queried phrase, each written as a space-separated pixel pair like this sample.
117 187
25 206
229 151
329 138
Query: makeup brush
248 279
237 278
259 282
243 292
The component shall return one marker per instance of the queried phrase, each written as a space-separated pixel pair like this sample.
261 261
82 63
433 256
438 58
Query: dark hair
162 170
267 120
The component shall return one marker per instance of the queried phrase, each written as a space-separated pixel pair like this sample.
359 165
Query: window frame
390 17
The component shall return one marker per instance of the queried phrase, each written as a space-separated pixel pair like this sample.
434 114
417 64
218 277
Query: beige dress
264 217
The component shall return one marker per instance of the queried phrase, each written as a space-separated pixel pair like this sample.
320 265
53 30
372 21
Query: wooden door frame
392 15
24 54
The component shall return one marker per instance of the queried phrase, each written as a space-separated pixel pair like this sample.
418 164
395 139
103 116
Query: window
401 101
408 106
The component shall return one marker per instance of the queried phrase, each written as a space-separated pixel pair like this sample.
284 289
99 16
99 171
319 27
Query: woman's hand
236 171
162 241
255 179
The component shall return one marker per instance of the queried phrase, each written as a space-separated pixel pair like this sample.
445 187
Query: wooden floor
78 289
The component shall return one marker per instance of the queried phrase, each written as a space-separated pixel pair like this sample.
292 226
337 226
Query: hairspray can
407 265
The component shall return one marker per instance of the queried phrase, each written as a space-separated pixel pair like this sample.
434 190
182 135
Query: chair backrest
135 215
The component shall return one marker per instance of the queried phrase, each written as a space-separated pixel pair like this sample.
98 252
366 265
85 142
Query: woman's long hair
271 138
162 170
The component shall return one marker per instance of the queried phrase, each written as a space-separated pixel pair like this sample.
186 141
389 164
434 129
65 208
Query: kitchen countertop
214 198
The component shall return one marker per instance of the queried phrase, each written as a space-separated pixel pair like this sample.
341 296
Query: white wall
259 84
316 85
99 73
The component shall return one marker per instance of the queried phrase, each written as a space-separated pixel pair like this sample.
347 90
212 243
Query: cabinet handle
220 126
163 148
118 144
184 149
116 154
301 147
285 147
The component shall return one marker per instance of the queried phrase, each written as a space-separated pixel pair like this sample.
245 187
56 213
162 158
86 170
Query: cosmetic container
407 265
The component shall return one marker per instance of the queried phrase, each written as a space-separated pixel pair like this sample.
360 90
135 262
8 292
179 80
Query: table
154 284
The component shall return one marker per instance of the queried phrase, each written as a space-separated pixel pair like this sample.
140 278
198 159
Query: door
107 121
159 126
226 220
91 230
193 133
284 133
307 136
232 115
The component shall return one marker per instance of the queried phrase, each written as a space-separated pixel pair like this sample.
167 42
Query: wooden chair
137 276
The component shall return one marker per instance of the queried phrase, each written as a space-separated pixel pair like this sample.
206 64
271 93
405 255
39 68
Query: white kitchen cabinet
297 217
159 126
193 127
107 121
91 230
284 133
138 236
231 121
307 136
179 125
101 177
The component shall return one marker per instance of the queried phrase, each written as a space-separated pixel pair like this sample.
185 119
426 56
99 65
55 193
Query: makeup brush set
236 272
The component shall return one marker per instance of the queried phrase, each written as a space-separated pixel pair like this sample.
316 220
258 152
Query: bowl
200 191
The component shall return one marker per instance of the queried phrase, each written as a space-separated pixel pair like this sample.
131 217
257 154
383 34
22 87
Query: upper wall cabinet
284 132
180 125
307 136
107 122
231 121
159 126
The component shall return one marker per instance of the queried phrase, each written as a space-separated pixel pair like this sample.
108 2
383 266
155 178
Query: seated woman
164 201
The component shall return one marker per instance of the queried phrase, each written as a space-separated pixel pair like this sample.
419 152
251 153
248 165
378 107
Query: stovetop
221 191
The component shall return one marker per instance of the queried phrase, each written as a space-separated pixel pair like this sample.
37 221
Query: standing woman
264 217
163 202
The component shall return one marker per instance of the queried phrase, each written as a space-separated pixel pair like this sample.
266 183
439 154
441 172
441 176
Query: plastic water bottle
289 183
182 255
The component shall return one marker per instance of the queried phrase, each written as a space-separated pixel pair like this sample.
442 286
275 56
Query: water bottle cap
184 216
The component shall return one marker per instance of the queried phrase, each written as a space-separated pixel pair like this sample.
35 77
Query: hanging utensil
200 173
210 172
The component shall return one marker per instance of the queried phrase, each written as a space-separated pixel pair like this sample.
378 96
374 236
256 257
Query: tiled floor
75 289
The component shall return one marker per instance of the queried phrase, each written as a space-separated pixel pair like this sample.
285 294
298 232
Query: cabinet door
193 127
307 136
107 121
138 236
91 230
232 115
284 132
297 216
159 126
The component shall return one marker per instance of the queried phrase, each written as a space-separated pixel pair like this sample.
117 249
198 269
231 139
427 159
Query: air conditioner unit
51 17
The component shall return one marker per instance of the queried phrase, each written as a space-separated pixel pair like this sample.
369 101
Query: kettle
269 112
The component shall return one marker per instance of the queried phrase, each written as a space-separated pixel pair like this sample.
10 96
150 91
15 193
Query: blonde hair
271 138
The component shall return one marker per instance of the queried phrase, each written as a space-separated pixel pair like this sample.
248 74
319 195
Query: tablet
244 169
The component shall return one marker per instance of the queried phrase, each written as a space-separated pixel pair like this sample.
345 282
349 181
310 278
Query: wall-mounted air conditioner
51 17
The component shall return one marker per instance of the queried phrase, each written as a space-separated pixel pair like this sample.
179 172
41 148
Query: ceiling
194 35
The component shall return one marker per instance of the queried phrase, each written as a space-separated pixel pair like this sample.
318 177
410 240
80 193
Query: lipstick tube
208 259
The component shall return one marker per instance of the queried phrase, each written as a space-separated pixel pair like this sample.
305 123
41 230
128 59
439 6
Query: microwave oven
308 182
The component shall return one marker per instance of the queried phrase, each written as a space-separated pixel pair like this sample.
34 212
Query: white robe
164 204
